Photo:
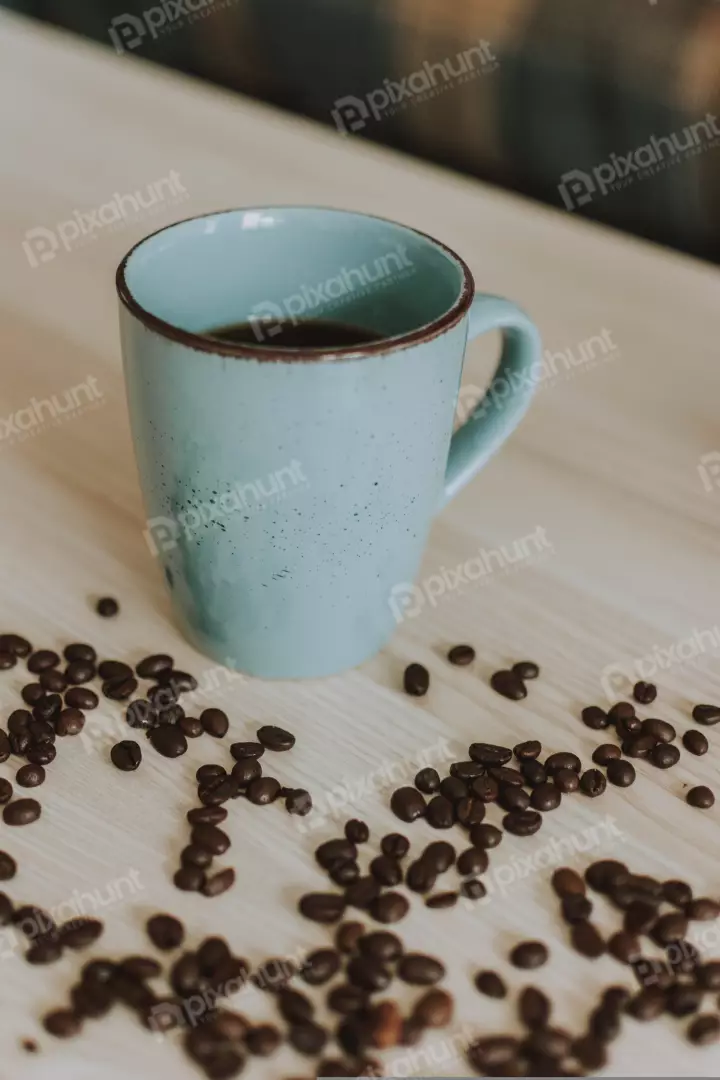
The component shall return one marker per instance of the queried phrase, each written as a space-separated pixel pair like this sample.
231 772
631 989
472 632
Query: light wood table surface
607 464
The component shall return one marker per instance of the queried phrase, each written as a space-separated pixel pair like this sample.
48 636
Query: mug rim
265 353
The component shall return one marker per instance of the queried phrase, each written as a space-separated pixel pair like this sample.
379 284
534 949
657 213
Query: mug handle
506 400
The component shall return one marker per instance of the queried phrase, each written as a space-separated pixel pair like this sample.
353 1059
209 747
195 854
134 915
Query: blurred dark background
609 109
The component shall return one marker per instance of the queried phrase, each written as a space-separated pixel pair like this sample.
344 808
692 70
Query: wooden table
609 464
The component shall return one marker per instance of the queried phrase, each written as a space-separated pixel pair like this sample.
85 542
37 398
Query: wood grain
606 464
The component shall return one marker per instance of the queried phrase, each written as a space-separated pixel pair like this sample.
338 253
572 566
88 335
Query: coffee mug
289 491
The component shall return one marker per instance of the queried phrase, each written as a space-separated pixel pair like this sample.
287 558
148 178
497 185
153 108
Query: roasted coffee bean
80 697
299 802
677 893
706 714
192 855
534 1008
453 788
490 754
701 797
15 645
344 873
262 1040
526 669
335 851
307 1038
625 947
566 780
381 944
586 940
6 791
189 879
69 722
562 760
114 669
219 883
467 770
639 917
621 773
606 753
490 984
76 673
416 680
165 931
590 1052
107 607
567 882
361 893
390 907
704 1030
485 788
162 698
30 776
595 718
461 655
669 929
407 804
41 754
168 740
206 815
522 822
41 731
19 721
218 790
529 955
509 684
320 966
19 743
513 798
172 714
215 722
41 660
472 889
141 714
6 909
505 775
294 1006
683 958
652 973
664 756
151 666
347 936
546 797
703 909
356 831
427 781
211 838
576 909
472 861
246 770
647 1004
322 907
394 845
695 742
47 708
421 876
533 773
470 811
63 1023
638 746
592 783
126 755
386 870
439 901
621 711
368 973
209 772
485 836
8 867
190 727
54 682
644 692
21 812
5 747
547 1044
181 682
418 969
439 813
80 933
120 688
243 750
660 729
440 855
434 1009
528 751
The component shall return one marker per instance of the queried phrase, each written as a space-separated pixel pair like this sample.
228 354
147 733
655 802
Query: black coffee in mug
308 334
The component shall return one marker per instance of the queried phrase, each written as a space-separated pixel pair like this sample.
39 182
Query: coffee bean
5 749
390 907
669 929
440 855
6 791
348 935
307 1038
704 1030
215 722
19 743
241 750
416 680
181 682
246 770
218 790
151 666
662 731
566 780
621 773
695 742
63 1024
529 955
595 718
462 655
344 873
567 882
107 606
189 879
427 781
534 1008
206 815
368 973
513 798
407 804
41 731
664 756
490 984
467 770
470 811
6 909
644 692
509 684
701 797
625 947
485 836
334 851
211 838
356 831
439 813
386 870
120 688
434 1009
421 876
30 776
586 940
472 861
489 753
677 893
219 883
439 901
165 931
41 660
168 740
418 969
320 966
76 673
576 909
708 976
19 721
485 788
322 907
647 1004
505 775
527 751
562 760
639 917
592 783
522 822
47 708
361 892
192 855
652 973
114 669
80 933
546 797
533 772
472 889
126 755
606 753
209 772
683 958
8 867
703 909
80 697
69 722
54 681
706 714
22 812
41 754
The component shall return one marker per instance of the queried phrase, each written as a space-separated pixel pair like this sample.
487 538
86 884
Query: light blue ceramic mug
290 492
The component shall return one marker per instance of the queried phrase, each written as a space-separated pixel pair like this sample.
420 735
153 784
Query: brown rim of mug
265 353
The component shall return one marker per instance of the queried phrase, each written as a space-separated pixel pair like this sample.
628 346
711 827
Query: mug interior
273 268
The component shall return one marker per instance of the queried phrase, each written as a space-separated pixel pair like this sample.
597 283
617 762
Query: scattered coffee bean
595 718
69 722
546 797
320 966
625 947
80 697
606 753
704 1030
347 936
695 742
533 772
307 1038
8 867
442 900
509 684
6 791
562 760
427 781
126 755
529 955
485 788
485 836
439 813
418 969
489 754
534 1008
165 931
664 756
107 606
215 722
7 660
246 770
168 740
42 754
592 783
41 660
621 773
701 797
461 655
19 720
210 837
368 973
335 851
47 708
80 933
189 879
356 831
522 822
21 812
528 751
511 797
706 714
498 1052
669 929
505 775
120 688
473 861
416 680
566 780
63 1023
434 1009
390 907
639 916
407 804
219 883
567 882
490 984
576 909
660 729
470 811
55 681
386 870
361 892
644 692
192 855
114 669
677 893
703 909
586 940
322 907
29 776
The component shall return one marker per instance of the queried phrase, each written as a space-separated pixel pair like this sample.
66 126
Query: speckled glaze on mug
288 492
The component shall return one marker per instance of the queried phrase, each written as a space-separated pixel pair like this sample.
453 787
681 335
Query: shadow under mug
289 492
